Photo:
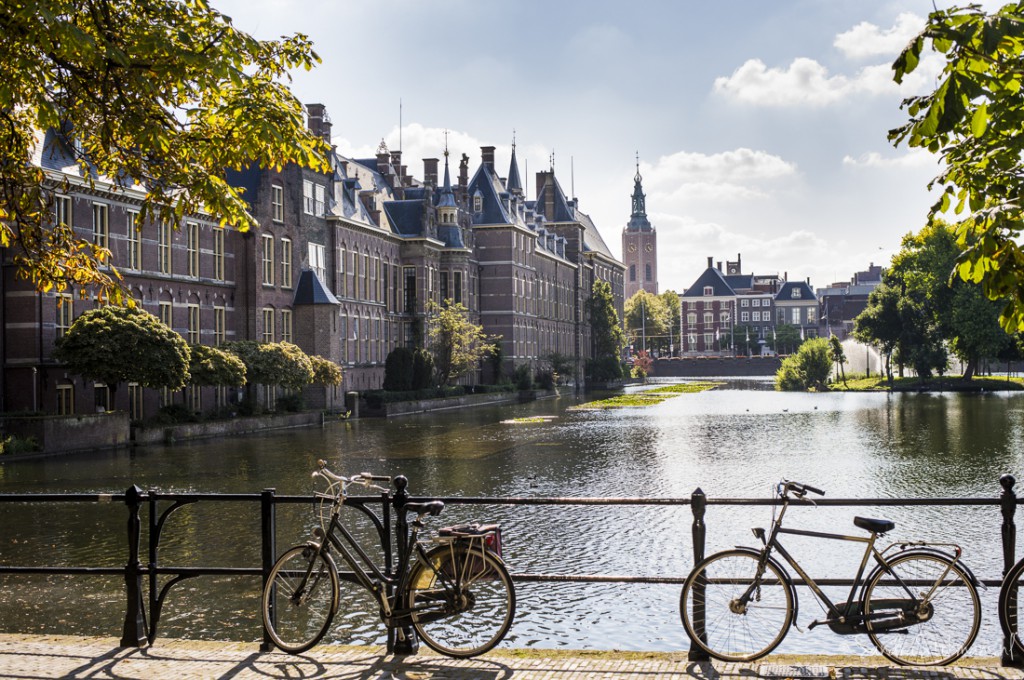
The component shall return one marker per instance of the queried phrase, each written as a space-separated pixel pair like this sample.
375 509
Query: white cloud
738 166
868 40
912 159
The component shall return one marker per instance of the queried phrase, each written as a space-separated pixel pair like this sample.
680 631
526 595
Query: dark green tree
422 370
215 367
606 334
647 320
398 370
160 96
674 321
113 345
880 324
786 338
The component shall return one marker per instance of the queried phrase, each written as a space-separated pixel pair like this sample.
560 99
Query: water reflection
735 441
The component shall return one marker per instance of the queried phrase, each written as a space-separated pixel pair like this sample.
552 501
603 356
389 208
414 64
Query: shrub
522 377
14 444
398 369
422 370
603 369
808 369
546 380
292 403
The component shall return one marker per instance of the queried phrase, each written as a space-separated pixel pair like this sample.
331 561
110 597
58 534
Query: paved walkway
33 657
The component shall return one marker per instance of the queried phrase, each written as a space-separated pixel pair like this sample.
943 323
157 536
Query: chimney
487 156
318 121
463 177
430 171
710 262
404 172
719 265
383 161
396 159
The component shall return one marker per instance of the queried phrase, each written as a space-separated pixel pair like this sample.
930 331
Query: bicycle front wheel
934 607
462 600
1009 616
734 612
300 598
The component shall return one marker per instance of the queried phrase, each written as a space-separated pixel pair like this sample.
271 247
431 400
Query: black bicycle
457 595
919 605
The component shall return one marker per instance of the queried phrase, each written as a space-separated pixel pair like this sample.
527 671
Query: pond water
735 441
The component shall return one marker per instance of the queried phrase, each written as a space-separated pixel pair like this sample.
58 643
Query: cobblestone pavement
24 656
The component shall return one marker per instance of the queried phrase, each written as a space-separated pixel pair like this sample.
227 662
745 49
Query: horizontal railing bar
109 571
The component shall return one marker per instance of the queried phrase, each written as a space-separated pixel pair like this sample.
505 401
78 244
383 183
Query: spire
514 184
447 199
638 220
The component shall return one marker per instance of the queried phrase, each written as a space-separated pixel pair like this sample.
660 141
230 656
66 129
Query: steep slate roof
405 216
592 240
451 235
489 186
785 293
563 212
711 277
311 291
358 177
513 184
739 282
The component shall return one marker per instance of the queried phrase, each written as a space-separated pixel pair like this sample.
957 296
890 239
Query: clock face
632 247
649 247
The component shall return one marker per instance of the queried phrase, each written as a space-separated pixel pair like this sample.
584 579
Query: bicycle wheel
1008 608
303 591
732 612
931 625
462 600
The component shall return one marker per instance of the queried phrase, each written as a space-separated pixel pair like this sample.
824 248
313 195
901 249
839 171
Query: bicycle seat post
406 643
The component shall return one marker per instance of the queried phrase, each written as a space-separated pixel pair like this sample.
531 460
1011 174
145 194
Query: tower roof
514 184
447 199
638 220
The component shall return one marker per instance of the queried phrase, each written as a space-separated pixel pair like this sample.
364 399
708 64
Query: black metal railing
143 587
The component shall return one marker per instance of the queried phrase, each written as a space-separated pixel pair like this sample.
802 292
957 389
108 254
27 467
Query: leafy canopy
273 363
215 367
157 96
808 369
113 345
457 344
974 121
325 371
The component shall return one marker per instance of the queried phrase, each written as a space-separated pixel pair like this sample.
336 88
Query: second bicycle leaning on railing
919 604
456 595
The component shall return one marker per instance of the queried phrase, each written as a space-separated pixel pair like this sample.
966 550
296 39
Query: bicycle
1008 612
457 595
919 605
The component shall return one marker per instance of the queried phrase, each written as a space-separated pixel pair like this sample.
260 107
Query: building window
796 316
312 198
102 393
709 318
221 396
692 341
709 341
100 225
364 273
65 313
410 290
194 398
318 260
342 283
343 334
811 315
782 316
192 244
795 294
286 325
193 324
286 263
163 248
632 272
270 397
724 317
691 318
268 324
755 303
478 203
745 316
444 286
647 272
277 202
219 326
746 303
167 313
65 400
218 253
62 210
134 241
134 401
709 290
457 292
268 260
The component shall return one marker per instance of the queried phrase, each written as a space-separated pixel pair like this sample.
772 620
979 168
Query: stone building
640 245
345 264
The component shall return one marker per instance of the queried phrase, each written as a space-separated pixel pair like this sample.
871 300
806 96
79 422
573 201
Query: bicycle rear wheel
931 625
732 612
302 594
462 600
1009 616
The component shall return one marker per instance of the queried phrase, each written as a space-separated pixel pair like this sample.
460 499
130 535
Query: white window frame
286 262
268 259
277 202
134 241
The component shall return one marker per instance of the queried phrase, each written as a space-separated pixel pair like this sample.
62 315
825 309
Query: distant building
842 302
640 245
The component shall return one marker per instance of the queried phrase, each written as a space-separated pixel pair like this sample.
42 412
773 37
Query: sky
760 127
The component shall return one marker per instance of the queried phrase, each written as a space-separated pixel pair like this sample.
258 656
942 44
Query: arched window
632 272
647 272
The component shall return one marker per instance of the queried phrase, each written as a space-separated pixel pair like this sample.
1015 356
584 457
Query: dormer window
796 293
478 202
709 290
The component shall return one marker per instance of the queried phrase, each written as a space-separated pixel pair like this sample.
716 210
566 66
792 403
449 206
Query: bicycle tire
1008 608
462 600
933 633
724 628
303 612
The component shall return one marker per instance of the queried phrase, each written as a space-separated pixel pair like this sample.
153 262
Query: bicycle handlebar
364 478
800 490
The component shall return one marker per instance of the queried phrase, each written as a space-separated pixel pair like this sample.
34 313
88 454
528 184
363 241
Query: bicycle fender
756 552
934 552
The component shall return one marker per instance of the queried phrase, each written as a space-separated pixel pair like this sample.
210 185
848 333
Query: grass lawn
647 397
949 383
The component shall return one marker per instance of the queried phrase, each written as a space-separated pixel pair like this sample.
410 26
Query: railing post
133 634
1008 506
268 533
401 640
698 504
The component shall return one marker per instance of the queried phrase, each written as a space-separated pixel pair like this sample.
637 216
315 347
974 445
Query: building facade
346 264
640 245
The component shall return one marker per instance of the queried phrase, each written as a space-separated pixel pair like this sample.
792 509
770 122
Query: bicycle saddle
880 526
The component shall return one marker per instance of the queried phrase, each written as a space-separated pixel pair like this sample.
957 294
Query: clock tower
640 245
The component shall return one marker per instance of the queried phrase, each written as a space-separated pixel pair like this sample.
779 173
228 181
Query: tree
158 96
215 367
880 324
972 120
808 369
786 338
457 344
605 332
398 370
642 364
837 355
113 345
325 371
273 363
673 320
647 318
